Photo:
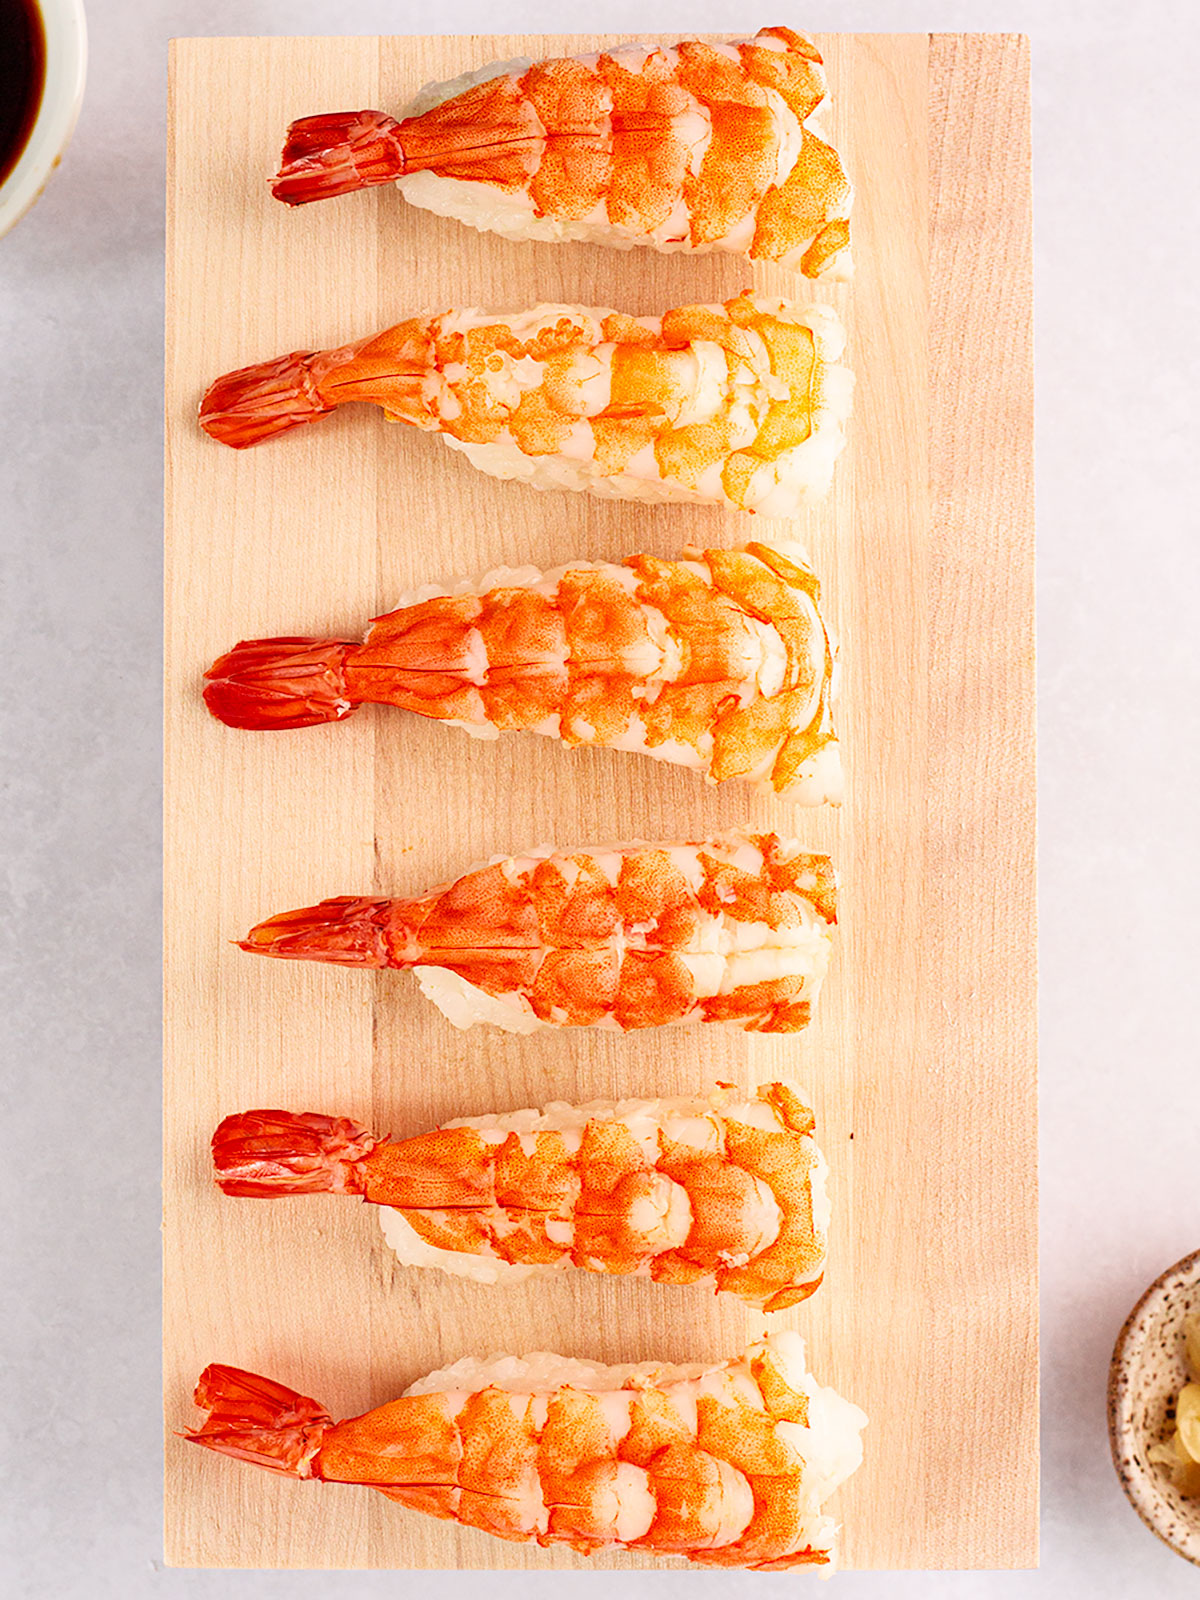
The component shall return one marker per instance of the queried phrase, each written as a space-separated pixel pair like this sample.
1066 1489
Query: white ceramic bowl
1148 1371
62 95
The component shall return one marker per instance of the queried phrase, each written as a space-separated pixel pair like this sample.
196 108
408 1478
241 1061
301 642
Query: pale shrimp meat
719 661
737 928
726 1465
691 146
725 1191
741 405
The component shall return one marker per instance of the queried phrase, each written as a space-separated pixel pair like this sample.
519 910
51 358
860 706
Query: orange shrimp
689 146
737 928
742 405
725 1191
719 661
726 1465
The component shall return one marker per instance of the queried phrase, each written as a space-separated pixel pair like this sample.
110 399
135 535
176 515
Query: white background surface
1117 137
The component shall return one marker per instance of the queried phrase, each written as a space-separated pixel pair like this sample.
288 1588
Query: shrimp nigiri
741 405
734 929
719 661
689 146
726 1191
727 1465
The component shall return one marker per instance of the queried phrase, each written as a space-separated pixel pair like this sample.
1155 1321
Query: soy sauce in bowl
22 77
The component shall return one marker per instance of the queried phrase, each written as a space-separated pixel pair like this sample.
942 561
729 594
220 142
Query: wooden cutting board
921 1057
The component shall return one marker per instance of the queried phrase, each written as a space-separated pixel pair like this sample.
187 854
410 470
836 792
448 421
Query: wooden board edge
982 542
168 340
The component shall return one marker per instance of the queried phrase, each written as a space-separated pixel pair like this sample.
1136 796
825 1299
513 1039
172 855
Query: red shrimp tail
255 403
349 932
254 1419
264 1154
280 683
337 153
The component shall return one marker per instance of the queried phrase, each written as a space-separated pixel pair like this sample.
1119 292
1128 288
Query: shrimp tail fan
263 1154
337 153
254 1419
280 683
350 931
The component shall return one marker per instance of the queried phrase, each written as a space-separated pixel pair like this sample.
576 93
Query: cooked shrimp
741 405
691 146
736 928
719 661
726 1465
725 1191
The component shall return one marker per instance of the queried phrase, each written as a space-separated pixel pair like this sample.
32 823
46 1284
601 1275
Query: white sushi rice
827 1450
686 1120
436 94
513 213
463 1004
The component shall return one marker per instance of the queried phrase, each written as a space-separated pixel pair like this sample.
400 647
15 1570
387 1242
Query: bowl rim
1118 1385
65 27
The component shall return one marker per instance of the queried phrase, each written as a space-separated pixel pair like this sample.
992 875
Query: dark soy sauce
22 76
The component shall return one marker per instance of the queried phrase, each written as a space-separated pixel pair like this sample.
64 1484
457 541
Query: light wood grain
980 812
920 1061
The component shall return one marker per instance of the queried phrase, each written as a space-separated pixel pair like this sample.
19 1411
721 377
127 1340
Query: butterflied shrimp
735 929
742 405
719 661
724 1191
727 1466
687 146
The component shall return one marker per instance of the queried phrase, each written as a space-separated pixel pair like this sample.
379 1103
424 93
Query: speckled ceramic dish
1148 1370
